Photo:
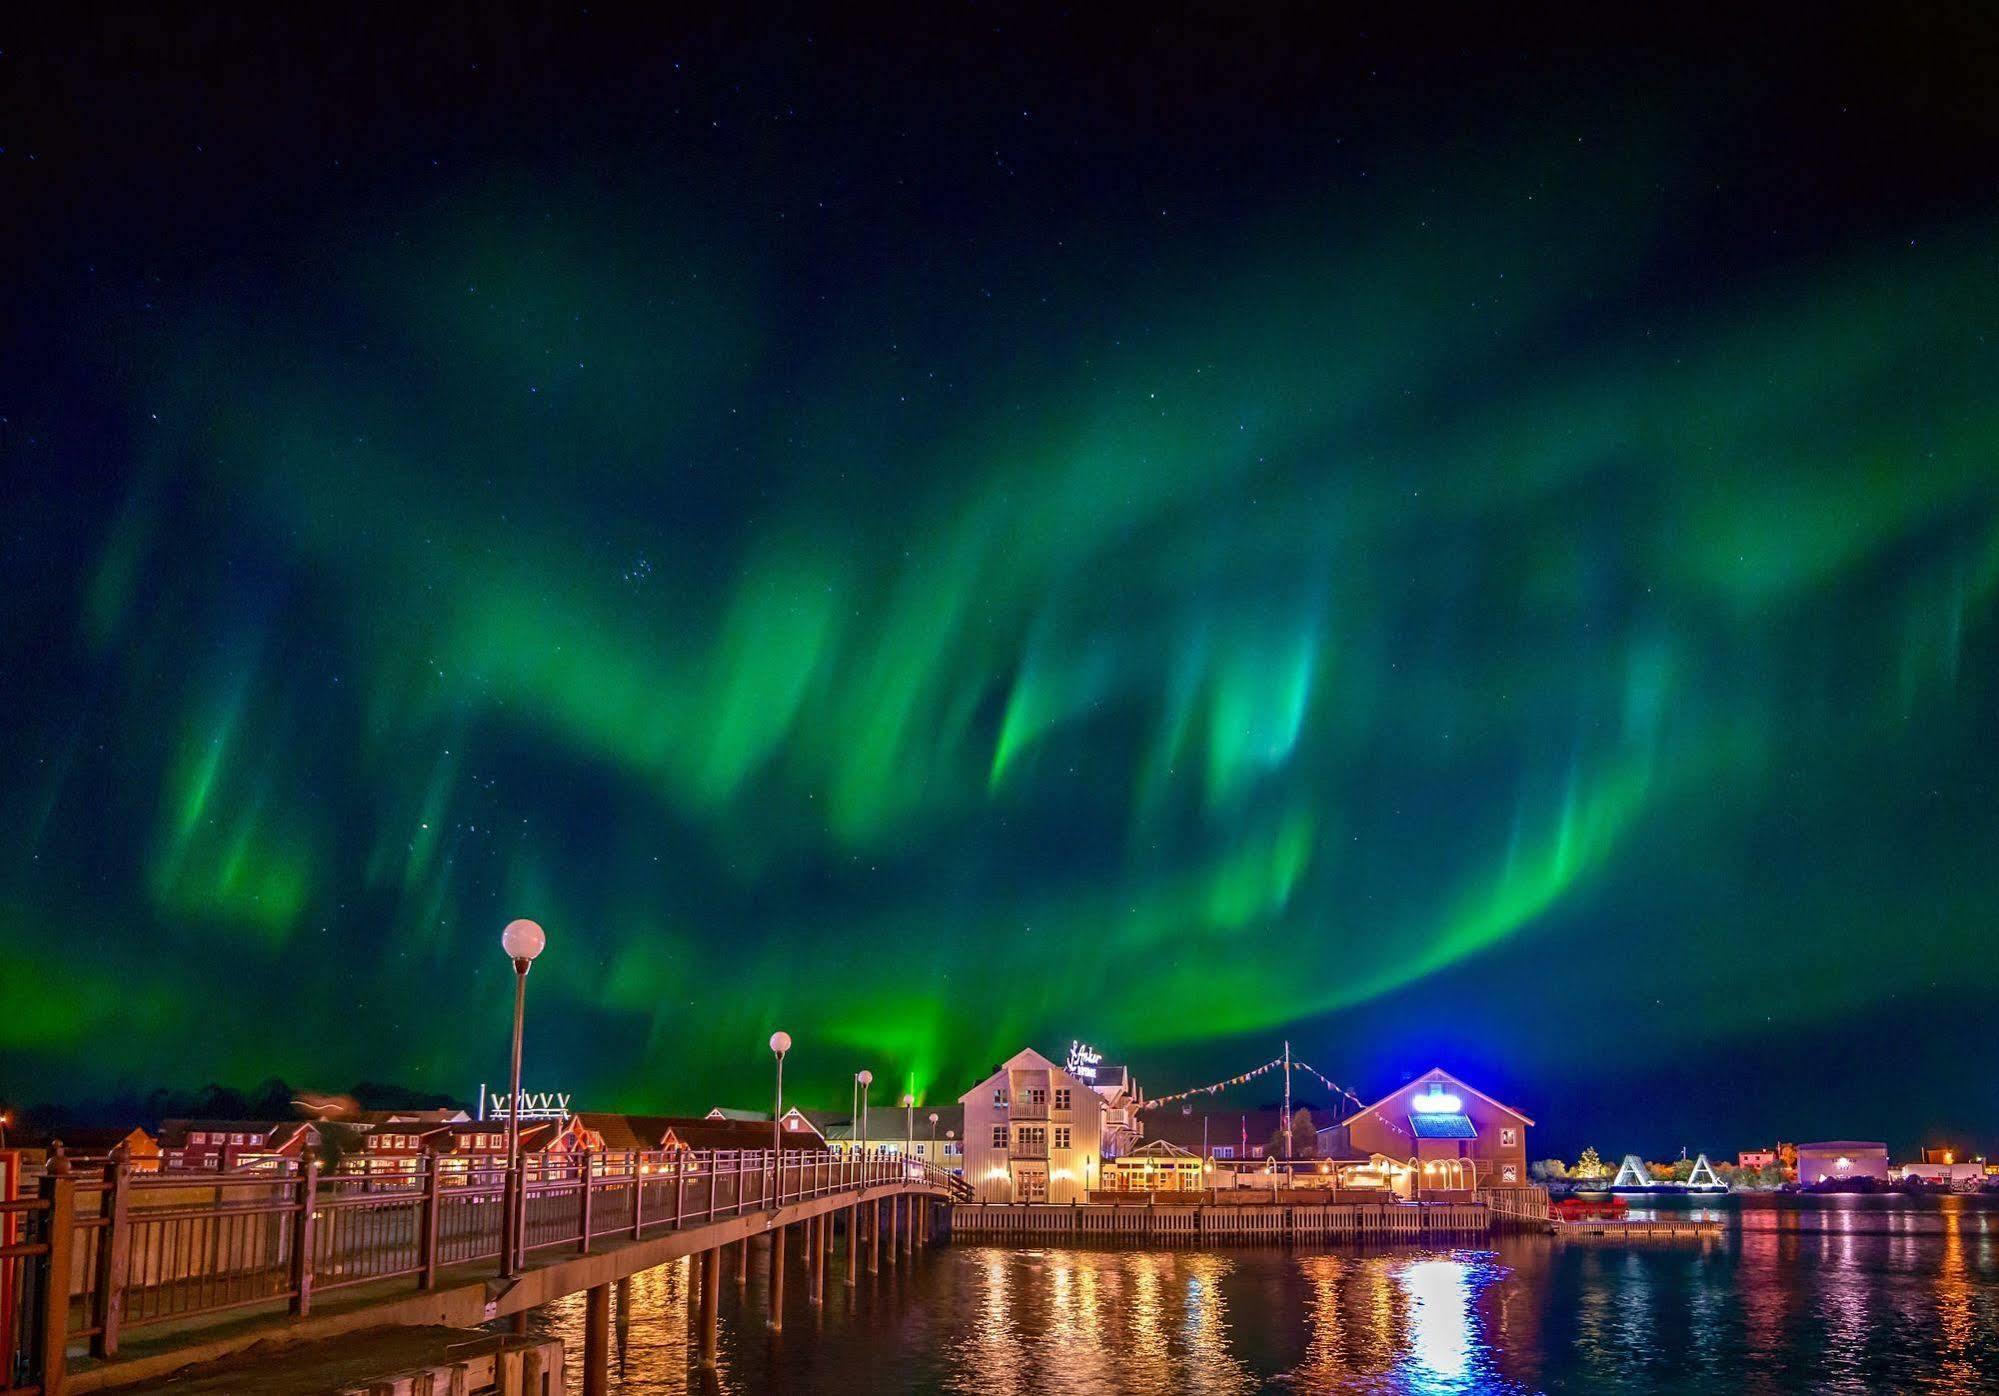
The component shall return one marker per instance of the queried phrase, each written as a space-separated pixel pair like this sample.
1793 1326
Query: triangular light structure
1632 1174
1703 1174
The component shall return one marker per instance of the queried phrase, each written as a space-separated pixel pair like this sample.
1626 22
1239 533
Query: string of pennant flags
1335 1087
1215 1088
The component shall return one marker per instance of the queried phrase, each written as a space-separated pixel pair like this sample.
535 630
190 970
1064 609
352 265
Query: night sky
1460 544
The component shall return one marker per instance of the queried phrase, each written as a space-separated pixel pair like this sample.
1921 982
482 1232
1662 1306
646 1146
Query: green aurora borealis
1429 616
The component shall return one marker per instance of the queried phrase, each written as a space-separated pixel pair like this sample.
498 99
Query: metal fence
128 1250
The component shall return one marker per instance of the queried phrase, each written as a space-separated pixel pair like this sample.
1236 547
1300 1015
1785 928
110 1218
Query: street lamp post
908 1129
522 940
933 1138
780 1043
867 1079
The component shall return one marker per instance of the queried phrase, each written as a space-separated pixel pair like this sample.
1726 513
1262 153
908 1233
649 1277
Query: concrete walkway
375 1358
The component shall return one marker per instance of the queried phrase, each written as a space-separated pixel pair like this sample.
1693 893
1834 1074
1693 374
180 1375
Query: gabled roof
729 1112
1027 1059
276 1133
1437 1073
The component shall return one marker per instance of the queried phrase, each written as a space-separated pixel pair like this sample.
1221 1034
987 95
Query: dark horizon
1462 541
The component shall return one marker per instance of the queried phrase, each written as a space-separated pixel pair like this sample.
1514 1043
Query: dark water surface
1845 1294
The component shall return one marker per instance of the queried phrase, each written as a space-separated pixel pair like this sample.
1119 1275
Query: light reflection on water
1843 1298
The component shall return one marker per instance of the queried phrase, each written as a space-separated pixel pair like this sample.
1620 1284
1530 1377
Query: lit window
197 1138
1508 1138
999 1096
1509 1173
235 1139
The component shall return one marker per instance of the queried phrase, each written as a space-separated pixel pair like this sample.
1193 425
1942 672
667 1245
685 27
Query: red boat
1575 1209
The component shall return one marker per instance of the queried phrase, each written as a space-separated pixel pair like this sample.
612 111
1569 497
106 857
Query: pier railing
99 1254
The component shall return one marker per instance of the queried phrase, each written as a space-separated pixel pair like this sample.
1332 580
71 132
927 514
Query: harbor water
1852 1294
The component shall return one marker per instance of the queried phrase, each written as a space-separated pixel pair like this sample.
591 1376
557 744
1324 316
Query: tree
1304 1138
1680 1170
1772 1174
1589 1167
1548 1170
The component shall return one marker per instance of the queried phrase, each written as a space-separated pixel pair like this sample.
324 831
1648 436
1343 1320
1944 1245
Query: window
1036 1096
1509 1138
999 1096
951 1148
999 1136
1062 1136
256 1139
1223 1151
1062 1098
235 1139
1509 1173
197 1138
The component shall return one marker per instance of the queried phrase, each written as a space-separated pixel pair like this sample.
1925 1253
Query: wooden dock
1404 1223
1611 1229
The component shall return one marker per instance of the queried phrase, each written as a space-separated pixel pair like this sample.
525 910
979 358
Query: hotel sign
1083 1061
534 1105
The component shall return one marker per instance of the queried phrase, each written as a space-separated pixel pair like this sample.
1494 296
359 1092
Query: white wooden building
1033 1133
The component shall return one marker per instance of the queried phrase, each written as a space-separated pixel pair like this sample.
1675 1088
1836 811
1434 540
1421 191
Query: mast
1287 1100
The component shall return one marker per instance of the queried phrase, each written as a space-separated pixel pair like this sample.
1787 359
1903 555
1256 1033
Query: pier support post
820 1229
894 1227
597 1341
909 1224
711 1300
853 1241
777 1279
743 1261
875 1237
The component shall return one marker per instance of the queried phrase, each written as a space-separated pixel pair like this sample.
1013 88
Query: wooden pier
1614 1229
1364 1222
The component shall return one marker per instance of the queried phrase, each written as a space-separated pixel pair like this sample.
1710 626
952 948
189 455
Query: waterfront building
1123 1124
1033 1133
1755 1158
1945 1169
88 1145
1224 1136
1157 1165
1834 1159
794 1118
1439 1133
230 1144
